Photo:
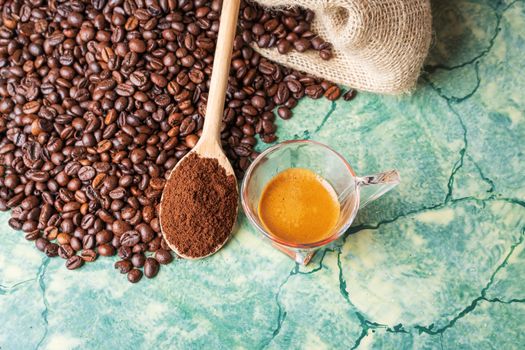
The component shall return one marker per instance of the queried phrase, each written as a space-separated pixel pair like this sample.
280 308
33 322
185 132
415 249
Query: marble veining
436 264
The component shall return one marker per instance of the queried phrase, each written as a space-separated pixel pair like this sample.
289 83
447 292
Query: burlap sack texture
379 45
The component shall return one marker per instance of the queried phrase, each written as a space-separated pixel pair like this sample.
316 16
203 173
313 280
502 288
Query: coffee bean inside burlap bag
379 45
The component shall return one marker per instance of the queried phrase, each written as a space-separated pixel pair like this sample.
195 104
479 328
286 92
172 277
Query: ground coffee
198 213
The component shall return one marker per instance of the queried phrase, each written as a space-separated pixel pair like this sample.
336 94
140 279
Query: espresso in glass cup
304 159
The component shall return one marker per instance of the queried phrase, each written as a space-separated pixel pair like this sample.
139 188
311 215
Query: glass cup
353 192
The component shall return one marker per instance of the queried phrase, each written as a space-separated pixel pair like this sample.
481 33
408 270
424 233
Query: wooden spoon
209 145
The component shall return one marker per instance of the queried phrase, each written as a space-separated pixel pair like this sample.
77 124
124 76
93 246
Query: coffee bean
74 262
41 244
106 249
88 242
301 45
163 256
125 90
137 45
314 91
134 275
63 238
146 233
138 259
124 266
103 236
258 102
86 173
65 251
138 78
284 112
130 238
88 255
349 95
138 155
282 94
332 93
51 250
15 224
283 46
117 193
326 54
151 267
38 176
125 252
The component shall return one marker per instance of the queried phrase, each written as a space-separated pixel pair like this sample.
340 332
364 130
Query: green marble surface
439 263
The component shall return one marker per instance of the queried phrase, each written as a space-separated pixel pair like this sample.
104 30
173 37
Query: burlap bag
379 45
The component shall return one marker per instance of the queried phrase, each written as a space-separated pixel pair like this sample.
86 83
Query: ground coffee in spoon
199 206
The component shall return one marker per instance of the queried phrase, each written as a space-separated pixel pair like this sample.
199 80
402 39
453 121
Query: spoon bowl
204 149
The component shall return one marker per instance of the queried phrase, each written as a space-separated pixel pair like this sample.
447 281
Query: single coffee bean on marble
284 112
163 256
134 275
124 266
349 95
74 262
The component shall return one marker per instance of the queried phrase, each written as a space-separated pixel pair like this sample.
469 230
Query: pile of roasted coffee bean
100 99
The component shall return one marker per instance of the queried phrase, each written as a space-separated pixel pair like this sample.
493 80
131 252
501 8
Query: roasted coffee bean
125 90
33 235
138 259
332 93
151 267
86 173
301 45
146 233
284 112
63 238
134 275
88 242
117 193
106 249
103 236
283 46
51 250
65 251
41 244
74 262
124 266
15 224
163 256
138 78
137 45
75 243
88 255
130 238
349 95
125 252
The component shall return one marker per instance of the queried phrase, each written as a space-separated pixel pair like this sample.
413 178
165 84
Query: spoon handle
221 70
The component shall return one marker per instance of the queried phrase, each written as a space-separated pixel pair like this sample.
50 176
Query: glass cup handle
374 186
